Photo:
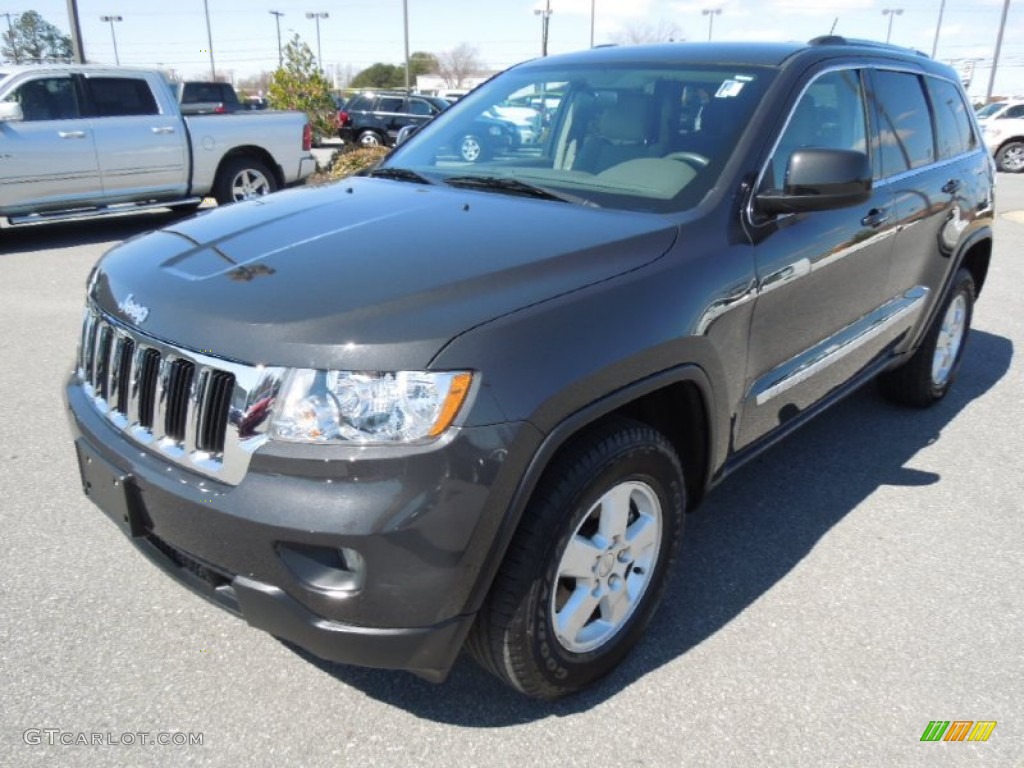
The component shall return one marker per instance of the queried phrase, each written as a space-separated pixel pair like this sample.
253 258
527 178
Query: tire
929 373
243 178
1010 157
371 139
603 526
471 149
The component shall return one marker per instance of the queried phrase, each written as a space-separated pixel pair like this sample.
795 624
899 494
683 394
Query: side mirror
820 180
407 132
10 111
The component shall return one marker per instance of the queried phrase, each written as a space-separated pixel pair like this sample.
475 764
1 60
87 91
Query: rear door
48 159
142 150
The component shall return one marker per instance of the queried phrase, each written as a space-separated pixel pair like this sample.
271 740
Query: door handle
951 186
162 129
71 134
876 217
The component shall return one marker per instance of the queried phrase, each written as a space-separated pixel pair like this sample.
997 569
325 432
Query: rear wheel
929 373
587 567
371 139
243 178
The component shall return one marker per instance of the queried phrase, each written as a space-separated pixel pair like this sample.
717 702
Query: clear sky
358 33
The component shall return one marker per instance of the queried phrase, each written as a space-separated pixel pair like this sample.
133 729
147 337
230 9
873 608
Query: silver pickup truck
84 140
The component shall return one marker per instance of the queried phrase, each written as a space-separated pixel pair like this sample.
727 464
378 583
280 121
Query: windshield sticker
729 89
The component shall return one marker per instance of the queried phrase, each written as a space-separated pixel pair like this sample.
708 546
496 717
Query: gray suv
455 404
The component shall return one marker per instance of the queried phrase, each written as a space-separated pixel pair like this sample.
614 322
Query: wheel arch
678 403
260 154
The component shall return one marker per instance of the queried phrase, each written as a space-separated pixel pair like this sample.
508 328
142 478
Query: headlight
368 407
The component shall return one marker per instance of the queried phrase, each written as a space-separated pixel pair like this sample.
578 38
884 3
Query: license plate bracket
112 490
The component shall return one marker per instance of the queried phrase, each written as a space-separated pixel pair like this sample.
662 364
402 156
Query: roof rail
840 40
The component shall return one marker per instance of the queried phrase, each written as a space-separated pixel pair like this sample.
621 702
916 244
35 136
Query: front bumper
422 521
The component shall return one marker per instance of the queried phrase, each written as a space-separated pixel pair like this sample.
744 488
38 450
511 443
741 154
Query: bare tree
458 64
637 32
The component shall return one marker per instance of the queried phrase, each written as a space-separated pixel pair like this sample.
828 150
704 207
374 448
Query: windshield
630 137
989 109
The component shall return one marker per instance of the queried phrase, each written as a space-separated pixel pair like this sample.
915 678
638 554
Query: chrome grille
193 409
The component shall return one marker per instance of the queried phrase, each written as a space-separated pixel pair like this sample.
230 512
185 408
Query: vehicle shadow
68 234
748 535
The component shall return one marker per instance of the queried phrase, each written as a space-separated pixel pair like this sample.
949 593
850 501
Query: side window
390 104
121 96
421 108
952 124
904 123
359 104
1013 112
830 115
47 98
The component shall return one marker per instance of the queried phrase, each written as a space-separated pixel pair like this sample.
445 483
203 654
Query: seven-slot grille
155 394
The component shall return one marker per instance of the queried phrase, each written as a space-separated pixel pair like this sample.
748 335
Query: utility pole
76 32
209 39
995 58
545 16
277 17
113 35
10 34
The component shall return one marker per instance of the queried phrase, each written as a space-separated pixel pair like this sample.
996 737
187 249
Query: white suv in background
1003 126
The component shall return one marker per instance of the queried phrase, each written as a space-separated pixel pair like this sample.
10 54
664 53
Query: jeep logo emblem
136 312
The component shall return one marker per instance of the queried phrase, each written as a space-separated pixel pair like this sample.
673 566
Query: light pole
113 35
711 13
544 16
277 17
938 28
209 39
318 15
77 48
891 12
592 2
995 57
405 24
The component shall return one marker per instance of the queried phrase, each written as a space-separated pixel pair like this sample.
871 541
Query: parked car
200 97
85 140
446 405
1003 127
256 102
374 119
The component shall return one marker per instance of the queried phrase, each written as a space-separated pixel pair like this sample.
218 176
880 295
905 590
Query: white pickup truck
84 140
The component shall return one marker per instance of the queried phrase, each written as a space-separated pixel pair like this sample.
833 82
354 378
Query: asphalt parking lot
858 581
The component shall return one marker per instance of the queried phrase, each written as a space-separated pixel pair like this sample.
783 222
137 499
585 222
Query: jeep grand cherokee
384 445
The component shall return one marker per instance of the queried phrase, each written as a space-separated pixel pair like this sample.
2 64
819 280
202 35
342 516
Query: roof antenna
833 30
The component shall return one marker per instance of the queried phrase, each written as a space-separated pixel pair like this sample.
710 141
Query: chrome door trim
833 349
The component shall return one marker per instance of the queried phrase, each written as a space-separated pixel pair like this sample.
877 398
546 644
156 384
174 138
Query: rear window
904 122
118 96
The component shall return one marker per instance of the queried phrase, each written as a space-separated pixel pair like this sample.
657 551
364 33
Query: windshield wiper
398 174
513 186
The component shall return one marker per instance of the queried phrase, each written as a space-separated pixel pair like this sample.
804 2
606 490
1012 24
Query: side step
107 210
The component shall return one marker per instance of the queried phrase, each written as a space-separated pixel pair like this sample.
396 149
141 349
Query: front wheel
243 178
1010 157
371 139
587 566
929 373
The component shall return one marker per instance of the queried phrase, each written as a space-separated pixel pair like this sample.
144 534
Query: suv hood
368 274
